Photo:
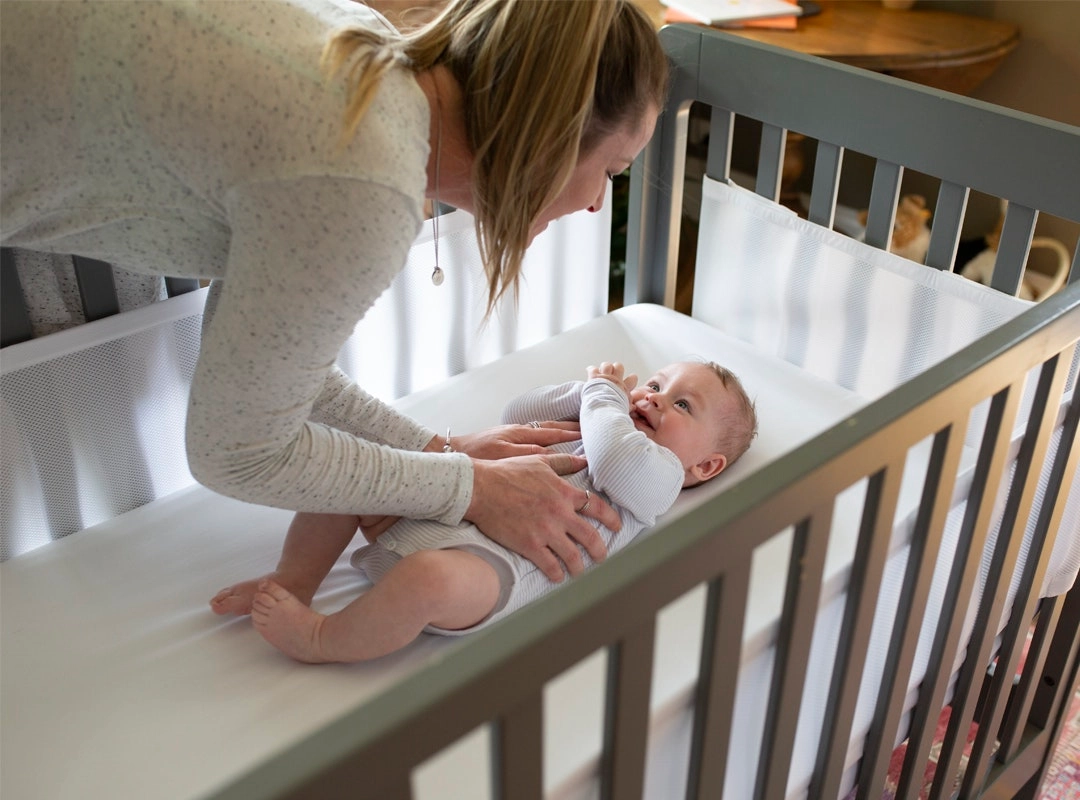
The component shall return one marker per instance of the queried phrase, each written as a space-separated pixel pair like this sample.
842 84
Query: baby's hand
613 371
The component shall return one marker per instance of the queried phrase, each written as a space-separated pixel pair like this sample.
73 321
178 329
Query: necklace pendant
437 276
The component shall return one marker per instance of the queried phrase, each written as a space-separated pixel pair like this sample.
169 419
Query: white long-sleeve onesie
639 478
201 139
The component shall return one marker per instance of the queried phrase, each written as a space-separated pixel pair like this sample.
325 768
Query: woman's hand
524 505
508 441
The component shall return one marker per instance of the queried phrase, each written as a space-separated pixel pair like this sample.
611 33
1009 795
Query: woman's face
595 169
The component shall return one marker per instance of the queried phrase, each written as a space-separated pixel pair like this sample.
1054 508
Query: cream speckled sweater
200 139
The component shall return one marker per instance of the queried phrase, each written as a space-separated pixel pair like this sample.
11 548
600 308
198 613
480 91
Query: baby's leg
451 589
312 546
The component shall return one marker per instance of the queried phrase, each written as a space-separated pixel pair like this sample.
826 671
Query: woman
285 150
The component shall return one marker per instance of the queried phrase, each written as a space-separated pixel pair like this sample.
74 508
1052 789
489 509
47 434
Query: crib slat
400 789
714 703
770 161
175 286
626 724
97 288
1019 706
1013 248
13 314
925 542
518 751
871 553
884 195
826 184
1066 462
1058 681
1061 665
971 543
796 632
721 133
948 220
1033 453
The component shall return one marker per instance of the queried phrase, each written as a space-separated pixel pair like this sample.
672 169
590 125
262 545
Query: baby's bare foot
286 622
237 599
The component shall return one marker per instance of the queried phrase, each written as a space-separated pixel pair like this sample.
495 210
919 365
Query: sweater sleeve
270 419
637 474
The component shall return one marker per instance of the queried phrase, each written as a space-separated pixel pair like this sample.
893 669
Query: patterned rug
1062 780
1063 775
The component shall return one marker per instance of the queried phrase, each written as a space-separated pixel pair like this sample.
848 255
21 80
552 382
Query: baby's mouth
640 420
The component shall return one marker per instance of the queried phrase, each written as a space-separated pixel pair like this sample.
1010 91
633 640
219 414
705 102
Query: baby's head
700 412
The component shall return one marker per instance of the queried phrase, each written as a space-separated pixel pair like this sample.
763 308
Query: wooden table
955 52
949 51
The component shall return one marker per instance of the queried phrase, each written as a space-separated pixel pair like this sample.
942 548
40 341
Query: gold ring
588 499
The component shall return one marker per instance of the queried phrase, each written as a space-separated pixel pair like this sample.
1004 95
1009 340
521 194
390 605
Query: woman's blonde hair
543 82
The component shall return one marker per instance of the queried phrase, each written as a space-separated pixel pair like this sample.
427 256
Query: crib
904 535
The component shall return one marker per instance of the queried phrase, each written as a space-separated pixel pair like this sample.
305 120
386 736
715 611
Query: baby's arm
559 402
633 471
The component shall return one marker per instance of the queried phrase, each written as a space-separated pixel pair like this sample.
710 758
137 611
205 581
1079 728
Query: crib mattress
118 681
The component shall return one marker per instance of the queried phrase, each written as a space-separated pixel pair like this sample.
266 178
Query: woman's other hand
508 441
524 505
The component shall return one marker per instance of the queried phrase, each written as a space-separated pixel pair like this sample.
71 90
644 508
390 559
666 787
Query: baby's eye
653 385
685 406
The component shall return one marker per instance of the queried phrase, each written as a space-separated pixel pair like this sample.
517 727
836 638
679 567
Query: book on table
733 12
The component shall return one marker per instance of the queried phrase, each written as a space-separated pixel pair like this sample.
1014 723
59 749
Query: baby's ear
709 468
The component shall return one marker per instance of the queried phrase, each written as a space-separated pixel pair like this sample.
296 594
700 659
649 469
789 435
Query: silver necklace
437 275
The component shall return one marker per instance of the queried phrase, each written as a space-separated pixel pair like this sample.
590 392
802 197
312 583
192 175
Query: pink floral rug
1062 781
1063 775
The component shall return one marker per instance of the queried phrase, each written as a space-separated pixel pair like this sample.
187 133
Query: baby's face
682 408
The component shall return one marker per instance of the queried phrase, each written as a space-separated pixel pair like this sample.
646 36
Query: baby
683 426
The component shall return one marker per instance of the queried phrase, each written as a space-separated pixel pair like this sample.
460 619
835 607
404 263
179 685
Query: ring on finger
588 499
534 424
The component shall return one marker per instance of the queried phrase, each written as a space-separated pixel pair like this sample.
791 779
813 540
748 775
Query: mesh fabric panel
94 432
849 313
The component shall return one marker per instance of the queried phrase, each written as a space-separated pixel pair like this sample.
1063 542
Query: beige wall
1042 75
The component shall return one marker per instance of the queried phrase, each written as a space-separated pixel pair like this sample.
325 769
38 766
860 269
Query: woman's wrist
440 444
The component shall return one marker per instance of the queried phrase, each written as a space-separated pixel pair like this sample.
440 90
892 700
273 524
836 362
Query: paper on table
732 12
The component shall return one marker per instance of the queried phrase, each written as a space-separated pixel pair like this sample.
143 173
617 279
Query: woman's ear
709 468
